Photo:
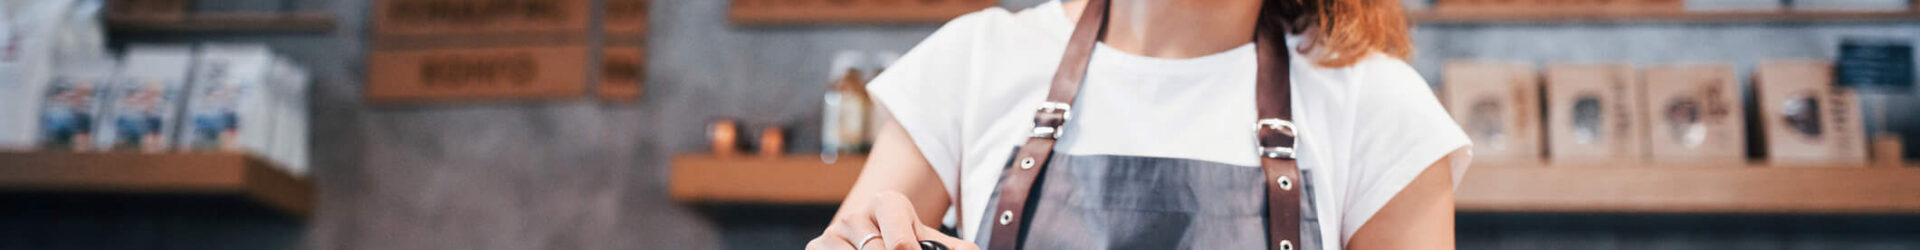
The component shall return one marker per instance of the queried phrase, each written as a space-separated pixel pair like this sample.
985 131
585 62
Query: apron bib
1048 201
1135 202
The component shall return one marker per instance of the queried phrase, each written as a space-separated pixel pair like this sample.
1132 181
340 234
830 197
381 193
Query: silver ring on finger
862 244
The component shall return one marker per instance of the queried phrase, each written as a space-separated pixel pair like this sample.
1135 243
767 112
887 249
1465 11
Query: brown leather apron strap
1277 134
1049 121
1275 131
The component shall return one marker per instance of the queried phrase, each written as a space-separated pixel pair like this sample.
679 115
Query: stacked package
214 98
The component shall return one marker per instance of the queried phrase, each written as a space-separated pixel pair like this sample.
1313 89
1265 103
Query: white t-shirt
967 94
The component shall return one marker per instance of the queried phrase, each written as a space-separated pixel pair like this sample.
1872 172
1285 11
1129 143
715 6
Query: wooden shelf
1519 15
1735 188
234 22
793 180
156 174
1488 187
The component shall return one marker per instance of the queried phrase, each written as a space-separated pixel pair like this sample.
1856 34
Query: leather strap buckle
1281 142
1051 127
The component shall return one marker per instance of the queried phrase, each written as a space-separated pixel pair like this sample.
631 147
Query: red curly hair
1343 32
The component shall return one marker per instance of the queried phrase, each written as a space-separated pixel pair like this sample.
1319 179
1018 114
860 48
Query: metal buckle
1284 127
1051 132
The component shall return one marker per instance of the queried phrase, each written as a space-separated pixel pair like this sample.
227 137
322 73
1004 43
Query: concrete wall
582 174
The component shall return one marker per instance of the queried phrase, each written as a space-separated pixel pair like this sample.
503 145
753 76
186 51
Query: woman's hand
890 221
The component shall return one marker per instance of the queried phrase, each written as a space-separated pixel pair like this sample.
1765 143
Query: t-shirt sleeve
925 91
1399 130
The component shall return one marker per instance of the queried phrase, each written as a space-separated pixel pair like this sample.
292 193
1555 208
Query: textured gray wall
581 174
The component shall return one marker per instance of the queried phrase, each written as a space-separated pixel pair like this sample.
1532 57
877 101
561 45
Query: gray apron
1135 202
1057 201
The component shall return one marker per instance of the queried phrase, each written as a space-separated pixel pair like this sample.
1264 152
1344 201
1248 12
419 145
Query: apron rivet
1286 245
1285 183
1026 163
1005 217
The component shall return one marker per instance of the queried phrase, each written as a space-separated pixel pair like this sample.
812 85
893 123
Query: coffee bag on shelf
1593 115
1807 121
1694 115
1499 106
143 110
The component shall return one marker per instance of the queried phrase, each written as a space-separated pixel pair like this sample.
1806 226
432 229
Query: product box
1499 106
1593 115
477 73
621 73
74 104
437 17
143 109
226 109
1694 115
1807 121
289 85
26 67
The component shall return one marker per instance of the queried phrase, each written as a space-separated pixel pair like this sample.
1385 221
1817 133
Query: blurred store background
701 124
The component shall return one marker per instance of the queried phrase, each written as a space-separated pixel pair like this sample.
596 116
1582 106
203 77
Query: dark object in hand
930 245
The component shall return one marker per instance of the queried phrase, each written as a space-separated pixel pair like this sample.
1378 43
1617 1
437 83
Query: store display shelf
1488 187
1535 15
229 22
133 174
791 180
1710 188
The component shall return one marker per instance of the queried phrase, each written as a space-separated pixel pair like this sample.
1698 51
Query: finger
897 220
932 234
854 227
829 241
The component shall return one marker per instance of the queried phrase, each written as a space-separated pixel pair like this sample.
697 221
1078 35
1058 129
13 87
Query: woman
1160 124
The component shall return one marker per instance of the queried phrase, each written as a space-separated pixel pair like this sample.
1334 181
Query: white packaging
26 66
144 108
74 106
227 106
289 87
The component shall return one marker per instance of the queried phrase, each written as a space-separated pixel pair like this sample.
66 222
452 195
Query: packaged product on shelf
143 108
1807 121
26 66
226 108
1593 115
73 107
844 116
1694 115
289 86
1499 106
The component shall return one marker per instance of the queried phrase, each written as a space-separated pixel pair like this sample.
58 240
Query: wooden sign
622 73
433 17
626 17
757 12
476 73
